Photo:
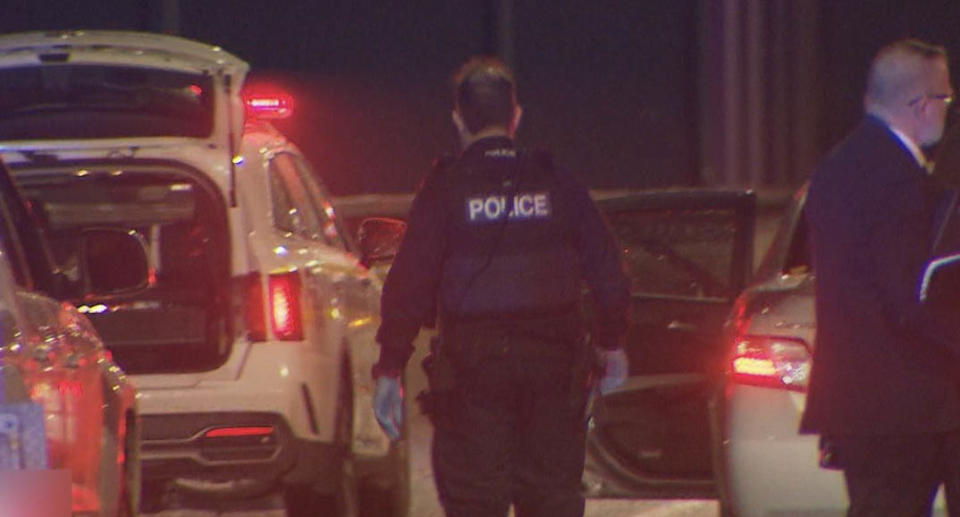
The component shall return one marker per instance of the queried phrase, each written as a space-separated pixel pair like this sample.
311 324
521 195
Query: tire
119 485
303 500
132 486
391 498
718 459
125 477
124 503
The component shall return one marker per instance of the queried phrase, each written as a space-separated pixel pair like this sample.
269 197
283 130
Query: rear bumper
771 469
292 379
177 453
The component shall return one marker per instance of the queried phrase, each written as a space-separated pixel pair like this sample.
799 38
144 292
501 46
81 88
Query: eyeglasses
947 98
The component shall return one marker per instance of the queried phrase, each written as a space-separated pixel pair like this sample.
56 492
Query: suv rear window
64 101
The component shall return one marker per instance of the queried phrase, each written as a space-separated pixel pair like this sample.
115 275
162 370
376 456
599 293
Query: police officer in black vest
498 247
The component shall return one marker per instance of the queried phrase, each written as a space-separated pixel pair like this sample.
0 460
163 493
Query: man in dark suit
883 393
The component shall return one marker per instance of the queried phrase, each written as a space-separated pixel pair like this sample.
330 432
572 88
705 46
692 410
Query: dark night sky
610 87
857 28
372 81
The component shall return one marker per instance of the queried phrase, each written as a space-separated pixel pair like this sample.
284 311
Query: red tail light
246 442
227 432
73 425
253 308
286 315
772 362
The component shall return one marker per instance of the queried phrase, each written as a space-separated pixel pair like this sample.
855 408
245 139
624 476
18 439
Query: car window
18 265
306 221
10 326
789 252
19 238
798 255
319 198
685 252
59 101
285 214
298 202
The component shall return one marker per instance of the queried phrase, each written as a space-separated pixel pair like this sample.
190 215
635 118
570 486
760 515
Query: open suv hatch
253 340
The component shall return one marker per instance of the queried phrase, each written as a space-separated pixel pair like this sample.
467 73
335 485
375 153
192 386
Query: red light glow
226 432
276 105
771 362
285 312
754 366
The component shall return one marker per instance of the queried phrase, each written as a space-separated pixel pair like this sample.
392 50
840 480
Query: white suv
253 342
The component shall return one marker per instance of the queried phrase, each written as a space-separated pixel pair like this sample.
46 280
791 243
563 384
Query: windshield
63 101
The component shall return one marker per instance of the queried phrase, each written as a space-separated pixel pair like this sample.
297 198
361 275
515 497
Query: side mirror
379 239
113 261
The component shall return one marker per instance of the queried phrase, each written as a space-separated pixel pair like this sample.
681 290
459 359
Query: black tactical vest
510 247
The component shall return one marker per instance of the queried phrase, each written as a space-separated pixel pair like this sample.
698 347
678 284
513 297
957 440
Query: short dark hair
484 92
898 69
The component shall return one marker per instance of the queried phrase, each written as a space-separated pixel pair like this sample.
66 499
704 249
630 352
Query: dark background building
635 93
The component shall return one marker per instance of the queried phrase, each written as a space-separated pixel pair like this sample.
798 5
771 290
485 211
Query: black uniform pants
510 432
899 475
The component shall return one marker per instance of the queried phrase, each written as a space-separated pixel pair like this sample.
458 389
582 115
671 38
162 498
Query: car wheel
389 497
129 497
726 510
124 506
119 484
304 500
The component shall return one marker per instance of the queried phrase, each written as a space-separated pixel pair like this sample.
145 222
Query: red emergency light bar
276 105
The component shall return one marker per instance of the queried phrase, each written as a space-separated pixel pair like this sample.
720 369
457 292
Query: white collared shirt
912 147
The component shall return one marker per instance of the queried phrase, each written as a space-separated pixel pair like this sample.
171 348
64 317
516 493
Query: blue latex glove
615 368
388 405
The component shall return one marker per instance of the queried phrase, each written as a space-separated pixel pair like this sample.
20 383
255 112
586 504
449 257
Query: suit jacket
948 157
879 367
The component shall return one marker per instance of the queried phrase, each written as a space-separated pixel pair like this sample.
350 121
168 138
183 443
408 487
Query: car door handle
681 326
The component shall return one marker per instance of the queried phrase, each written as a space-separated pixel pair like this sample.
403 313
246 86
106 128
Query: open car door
688 254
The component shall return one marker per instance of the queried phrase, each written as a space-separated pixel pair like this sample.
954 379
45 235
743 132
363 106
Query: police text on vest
527 205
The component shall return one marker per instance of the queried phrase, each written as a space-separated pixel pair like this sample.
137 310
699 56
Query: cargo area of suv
179 322
252 341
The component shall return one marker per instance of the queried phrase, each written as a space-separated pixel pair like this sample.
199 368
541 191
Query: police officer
498 246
